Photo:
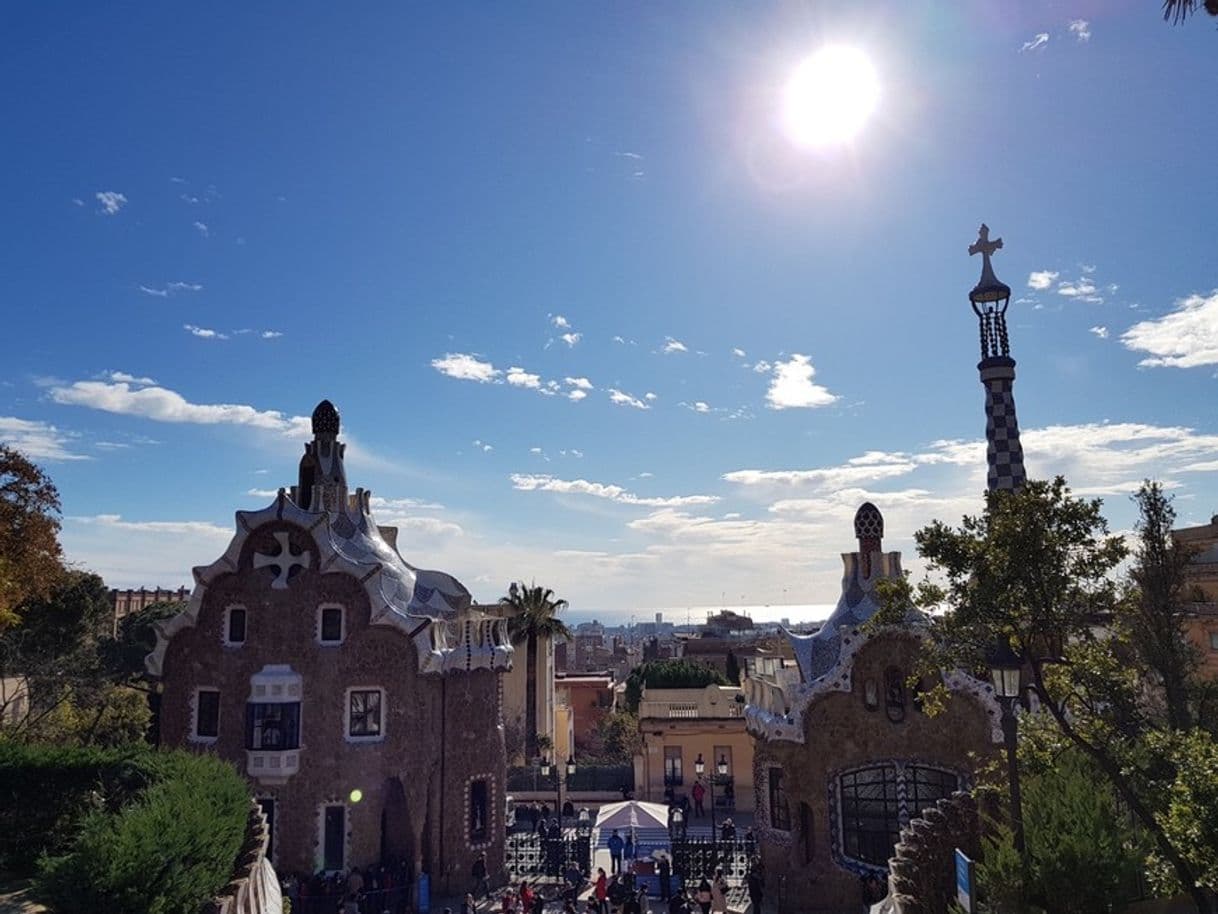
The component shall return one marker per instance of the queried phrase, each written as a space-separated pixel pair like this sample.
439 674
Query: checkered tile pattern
1004 453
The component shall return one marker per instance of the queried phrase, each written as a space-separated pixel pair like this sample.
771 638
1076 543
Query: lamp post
1005 669
720 771
559 779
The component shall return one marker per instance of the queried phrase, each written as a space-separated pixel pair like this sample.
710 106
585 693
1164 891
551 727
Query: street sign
966 886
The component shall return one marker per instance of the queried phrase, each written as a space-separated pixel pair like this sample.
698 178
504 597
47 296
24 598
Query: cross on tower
283 561
988 286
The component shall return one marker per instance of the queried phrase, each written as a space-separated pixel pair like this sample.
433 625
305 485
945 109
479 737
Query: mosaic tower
989 298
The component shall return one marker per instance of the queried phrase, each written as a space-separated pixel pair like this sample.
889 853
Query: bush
170 850
45 792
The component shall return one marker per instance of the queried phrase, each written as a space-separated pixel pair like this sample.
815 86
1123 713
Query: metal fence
693 858
532 857
599 778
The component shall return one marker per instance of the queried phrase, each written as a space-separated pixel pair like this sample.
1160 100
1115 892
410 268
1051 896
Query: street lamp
558 781
1005 669
720 771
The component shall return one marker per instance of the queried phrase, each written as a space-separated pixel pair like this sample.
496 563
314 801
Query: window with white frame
207 715
365 710
234 625
331 626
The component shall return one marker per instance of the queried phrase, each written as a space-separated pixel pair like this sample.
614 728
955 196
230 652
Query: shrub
169 850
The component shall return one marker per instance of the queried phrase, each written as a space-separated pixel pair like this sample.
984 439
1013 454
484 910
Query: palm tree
532 614
1179 10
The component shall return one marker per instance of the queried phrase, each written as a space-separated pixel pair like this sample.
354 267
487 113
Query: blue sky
452 221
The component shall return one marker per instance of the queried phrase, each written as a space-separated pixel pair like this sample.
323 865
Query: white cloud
142 553
163 405
201 228
581 383
646 475
270 334
618 339
483 446
534 450
124 378
1100 331
380 503
650 396
629 155
1039 41
1187 337
1080 29
1082 289
158 527
37 440
185 287
1041 279
872 466
700 407
671 345
576 394
111 201
792 387
78 201
204 332
560 322
159 293
535 483
571 338
518 377
466 367
739 353
621 398
762 367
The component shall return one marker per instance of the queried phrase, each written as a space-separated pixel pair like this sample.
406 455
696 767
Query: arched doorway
396 841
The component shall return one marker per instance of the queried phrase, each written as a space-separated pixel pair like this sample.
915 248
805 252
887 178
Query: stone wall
922 871
254 888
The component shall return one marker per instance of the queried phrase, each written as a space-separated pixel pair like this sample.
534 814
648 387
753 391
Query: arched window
894 694
871 802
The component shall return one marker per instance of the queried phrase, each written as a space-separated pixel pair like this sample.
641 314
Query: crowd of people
382 889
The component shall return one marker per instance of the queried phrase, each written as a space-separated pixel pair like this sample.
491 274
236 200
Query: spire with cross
989 298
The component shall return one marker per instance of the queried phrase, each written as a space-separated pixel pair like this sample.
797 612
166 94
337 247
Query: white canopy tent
632 814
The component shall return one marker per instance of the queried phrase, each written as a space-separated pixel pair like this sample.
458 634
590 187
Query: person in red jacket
602 891
699 794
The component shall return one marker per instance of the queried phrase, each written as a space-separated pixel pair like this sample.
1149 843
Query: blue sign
424 893
966 889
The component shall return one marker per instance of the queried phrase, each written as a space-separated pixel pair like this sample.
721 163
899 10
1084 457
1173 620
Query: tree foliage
1177 11
1037 572
620 738
676 673
30 556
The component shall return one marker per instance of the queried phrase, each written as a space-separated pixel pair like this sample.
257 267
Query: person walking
482 883
756 885
703 895
699 794
664 868
616 846
601 891
719 892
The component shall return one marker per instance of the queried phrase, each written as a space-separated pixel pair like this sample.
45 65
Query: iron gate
528 855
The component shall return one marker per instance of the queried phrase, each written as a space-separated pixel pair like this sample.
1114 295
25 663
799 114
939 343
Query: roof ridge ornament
990 298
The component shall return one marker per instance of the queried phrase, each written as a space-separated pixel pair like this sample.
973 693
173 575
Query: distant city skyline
595 311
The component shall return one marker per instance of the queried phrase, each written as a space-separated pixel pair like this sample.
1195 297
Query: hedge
127 831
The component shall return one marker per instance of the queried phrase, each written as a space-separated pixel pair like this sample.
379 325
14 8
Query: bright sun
830 96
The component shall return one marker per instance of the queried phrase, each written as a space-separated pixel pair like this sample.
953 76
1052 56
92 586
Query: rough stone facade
420 777
845 757
922 878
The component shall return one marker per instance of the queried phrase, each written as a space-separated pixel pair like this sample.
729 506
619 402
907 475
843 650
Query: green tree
1037 570
31 561
1178 10
677 673
532 615
619 737
733 669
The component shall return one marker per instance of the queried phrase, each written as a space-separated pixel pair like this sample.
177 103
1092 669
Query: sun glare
830 96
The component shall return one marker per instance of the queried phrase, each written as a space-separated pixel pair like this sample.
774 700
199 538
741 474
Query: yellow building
678 726
1202 624
515 703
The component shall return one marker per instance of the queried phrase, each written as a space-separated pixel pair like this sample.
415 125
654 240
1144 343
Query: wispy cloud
792 386
1038 42
483 446
1100 331
1041 279
560 322
739 353
621 398
111 201
629 155
172 289
466 367
124 378
1080 29
37 440
270 334
164 405
201 228
1187 337
582 383
672 345
571 338
205 333
527 482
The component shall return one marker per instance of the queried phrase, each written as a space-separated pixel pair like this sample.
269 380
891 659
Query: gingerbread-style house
845 756
360 695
